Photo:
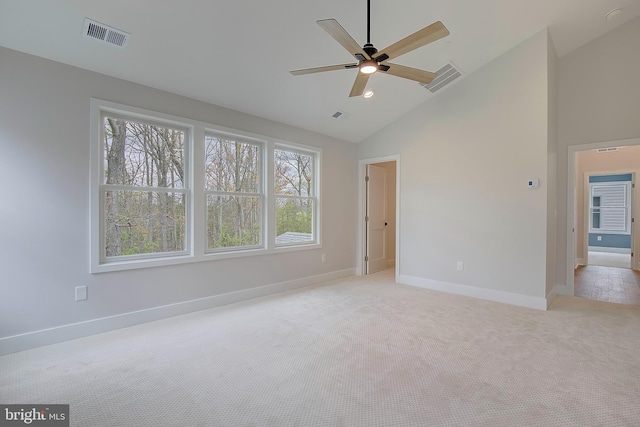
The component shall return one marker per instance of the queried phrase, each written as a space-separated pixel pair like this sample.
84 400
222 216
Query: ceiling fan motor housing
370 50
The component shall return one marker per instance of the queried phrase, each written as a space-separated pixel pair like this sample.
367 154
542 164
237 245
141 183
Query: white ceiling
238 53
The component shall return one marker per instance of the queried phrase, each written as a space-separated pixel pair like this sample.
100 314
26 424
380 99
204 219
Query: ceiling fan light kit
371 61
368 66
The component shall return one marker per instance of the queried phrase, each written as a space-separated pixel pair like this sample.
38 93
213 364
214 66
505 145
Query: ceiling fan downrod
368 21
369 47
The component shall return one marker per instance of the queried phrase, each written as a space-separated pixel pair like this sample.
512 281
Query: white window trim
627 230
196 245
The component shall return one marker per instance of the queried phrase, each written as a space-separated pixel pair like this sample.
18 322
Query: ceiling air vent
446 75
104 33
339 115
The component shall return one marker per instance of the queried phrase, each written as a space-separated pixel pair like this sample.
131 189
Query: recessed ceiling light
368 94
614 14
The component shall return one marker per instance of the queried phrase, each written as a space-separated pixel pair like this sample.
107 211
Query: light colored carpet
362 351
610 259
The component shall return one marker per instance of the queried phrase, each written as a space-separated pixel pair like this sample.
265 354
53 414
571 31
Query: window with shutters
609 208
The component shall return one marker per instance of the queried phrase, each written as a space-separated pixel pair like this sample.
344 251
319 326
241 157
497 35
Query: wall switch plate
460 266
324 257
599 238
81 293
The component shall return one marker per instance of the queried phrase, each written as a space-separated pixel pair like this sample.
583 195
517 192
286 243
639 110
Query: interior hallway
607 282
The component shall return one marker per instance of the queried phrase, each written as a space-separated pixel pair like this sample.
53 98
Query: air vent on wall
446 75
104 33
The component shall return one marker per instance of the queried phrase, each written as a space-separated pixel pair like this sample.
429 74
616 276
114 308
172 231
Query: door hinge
366 179
633 220
366 218
366 259
633 185
632 254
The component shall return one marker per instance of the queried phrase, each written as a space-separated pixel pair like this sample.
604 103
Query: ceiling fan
371 61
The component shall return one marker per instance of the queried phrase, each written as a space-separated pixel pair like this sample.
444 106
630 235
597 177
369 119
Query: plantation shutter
609 207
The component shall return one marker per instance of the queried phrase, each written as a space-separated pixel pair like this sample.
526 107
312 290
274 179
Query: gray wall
44 223
466 156
598 101
553 276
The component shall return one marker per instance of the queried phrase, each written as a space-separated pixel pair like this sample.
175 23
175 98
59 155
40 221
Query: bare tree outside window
294 196
159 197
143 188
233 193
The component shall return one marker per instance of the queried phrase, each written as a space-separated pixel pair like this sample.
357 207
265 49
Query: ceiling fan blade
411 73
321 69
359 84
427 35
336 31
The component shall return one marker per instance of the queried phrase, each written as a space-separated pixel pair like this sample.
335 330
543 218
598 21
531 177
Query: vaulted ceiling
238 53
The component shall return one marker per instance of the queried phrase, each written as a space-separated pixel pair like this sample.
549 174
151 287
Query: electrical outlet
324 257
460 266
81 293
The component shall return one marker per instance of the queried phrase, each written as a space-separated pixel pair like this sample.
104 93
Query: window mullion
198 230
233 193
113 187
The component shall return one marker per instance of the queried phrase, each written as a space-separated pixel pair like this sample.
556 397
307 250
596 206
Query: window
609 210
294 178
233 191
143 188
168 190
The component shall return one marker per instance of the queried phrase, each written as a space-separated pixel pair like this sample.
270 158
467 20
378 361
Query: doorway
379 193
608 209
602 233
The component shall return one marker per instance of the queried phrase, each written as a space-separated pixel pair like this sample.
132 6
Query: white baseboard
472 291
551 296
15 343
579 262
610 250
562 290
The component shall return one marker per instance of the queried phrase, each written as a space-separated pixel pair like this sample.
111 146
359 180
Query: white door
376 219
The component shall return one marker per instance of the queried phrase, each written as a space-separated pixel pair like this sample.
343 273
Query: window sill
186 259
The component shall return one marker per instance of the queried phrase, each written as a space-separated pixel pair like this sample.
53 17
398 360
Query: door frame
362 191
571 204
